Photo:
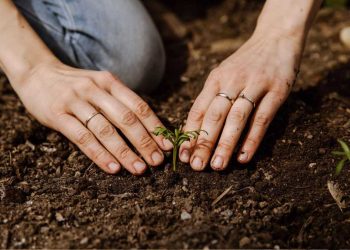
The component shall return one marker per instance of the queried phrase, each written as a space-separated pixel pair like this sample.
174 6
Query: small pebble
312 164
345 36
84 240
245 241
44 229
263 204
322 151
184 181
185 216
59 217
227 213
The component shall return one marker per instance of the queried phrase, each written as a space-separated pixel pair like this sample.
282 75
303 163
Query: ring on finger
90 117
226 96
248 99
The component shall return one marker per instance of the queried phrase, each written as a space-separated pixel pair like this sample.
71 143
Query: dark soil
52 196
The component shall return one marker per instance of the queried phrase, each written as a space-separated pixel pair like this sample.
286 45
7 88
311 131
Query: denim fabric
114 35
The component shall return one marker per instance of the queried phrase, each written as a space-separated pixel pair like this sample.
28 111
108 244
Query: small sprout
177 138
345 156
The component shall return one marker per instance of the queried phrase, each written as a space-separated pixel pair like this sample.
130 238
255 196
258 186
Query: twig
88 168
303 228
15 167
222 195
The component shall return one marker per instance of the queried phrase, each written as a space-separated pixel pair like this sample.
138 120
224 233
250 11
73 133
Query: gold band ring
248 99
226 96
91 116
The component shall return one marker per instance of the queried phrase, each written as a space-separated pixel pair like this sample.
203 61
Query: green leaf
345 147
338 153
340 166
177 138
336 3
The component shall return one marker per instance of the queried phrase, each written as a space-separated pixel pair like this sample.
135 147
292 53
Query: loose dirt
52 196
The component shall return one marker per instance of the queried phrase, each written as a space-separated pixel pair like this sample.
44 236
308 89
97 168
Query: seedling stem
177 138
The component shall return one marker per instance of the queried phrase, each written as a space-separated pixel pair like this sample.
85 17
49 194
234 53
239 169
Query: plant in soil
345 156
177 137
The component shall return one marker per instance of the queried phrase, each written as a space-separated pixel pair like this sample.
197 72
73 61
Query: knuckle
252 141
279 92
146 141
204 144
196 115
106 130
214 74
68 96
128 118
123 151
262 120
215 116
225 144
237 115
84 137
85 86
143 110
107 75
99 154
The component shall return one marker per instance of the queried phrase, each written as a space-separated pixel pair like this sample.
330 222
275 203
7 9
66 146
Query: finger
213 121
195 119
124 119
234 125
86 141
130 99
262 118
105 132
143 112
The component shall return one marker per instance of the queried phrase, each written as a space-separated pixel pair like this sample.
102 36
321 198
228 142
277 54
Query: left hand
264 70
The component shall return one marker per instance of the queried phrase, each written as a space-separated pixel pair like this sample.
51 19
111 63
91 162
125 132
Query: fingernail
139 166
217 162
185 156
114 167
167 143
243 157
197 163
157 157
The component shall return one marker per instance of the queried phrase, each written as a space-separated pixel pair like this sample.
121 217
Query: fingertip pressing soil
52 196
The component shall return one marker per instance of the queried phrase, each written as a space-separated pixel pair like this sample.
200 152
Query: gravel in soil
52 196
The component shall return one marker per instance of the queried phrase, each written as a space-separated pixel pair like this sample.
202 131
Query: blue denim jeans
114 35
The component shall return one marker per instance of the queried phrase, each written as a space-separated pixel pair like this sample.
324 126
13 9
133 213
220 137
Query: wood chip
221 196
337 195
175 25
226 45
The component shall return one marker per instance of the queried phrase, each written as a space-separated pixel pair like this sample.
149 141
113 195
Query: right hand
63 98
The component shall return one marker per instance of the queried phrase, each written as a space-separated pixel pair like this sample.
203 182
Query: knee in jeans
147 63
140 62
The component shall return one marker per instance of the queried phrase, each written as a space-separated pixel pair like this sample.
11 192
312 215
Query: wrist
17 58
295 36
290 19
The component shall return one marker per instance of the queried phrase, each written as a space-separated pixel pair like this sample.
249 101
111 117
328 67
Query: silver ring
248 99
226 96
91 116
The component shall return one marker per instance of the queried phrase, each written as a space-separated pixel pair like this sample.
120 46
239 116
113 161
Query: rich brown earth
52 196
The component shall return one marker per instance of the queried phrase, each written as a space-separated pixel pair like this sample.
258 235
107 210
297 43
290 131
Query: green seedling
345 154
177 138
336 3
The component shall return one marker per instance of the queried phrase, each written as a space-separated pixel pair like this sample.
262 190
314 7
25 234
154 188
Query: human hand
263 70
65 99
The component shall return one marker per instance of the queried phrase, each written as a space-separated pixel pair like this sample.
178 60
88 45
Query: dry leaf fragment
337 195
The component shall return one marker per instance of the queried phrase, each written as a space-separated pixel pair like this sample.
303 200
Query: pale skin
62 97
